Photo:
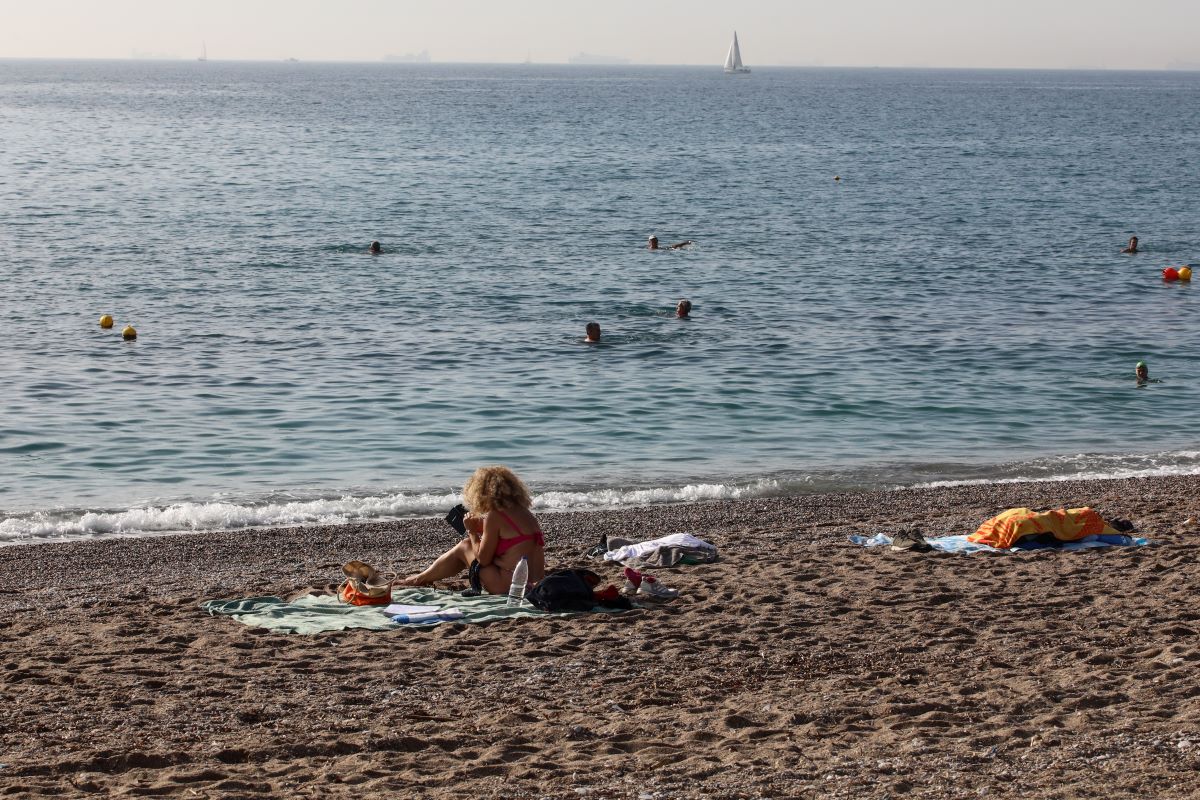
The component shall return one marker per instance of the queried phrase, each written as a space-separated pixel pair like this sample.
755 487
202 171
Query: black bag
565 590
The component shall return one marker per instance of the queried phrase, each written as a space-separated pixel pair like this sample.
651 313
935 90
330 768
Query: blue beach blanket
324 613
960 544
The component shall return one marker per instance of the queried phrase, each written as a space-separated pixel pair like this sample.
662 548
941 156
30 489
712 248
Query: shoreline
798 665
189 515
425 537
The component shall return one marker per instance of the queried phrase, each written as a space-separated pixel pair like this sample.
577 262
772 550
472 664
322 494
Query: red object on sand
1170 274
633 576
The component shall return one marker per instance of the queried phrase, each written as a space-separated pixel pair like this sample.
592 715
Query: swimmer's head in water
376 247
683 308
1141 370
593 331
652 242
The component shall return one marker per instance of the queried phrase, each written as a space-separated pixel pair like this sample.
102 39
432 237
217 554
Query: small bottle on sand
516 592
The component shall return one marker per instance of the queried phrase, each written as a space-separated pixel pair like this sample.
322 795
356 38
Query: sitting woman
501 530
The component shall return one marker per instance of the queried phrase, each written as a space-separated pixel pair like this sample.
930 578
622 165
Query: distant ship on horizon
203 52
733 59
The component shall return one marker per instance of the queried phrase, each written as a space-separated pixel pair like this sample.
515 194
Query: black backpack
564 590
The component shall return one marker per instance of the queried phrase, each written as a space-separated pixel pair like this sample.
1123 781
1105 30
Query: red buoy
1170 274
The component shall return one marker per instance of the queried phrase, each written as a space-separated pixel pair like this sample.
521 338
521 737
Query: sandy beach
800 665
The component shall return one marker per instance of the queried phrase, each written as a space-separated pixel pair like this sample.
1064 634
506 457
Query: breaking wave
220 515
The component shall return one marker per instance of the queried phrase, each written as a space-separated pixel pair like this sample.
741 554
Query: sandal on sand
598 551
910 539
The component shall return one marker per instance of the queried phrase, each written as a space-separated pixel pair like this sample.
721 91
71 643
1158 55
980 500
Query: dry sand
798 666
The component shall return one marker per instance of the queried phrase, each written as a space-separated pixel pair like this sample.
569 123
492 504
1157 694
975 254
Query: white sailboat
733 60
203 52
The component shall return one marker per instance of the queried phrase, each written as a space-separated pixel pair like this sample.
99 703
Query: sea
898 277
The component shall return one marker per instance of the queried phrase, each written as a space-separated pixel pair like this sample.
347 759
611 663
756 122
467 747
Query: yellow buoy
129 333
106 321
1185 273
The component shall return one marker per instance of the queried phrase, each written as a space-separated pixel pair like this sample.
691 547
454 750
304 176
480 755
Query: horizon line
393 63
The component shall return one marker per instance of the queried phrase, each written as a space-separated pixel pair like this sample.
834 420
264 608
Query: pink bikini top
506 544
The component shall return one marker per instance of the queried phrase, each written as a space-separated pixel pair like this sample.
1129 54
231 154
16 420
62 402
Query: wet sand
798 666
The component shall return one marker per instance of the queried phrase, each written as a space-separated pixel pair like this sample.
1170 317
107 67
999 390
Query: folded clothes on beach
962 544
666 551
324 613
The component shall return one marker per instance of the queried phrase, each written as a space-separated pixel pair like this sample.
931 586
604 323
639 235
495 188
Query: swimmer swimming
1132 246
683 308
652 244
1142 373
593 332
375 249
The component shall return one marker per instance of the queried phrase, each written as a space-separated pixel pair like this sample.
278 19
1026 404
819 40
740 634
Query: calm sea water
955 308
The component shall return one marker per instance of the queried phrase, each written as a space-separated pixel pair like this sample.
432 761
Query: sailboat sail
733 59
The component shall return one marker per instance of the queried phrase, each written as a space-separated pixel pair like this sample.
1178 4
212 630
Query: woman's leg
494 579
447 565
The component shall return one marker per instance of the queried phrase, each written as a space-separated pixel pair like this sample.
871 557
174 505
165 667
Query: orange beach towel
1066 525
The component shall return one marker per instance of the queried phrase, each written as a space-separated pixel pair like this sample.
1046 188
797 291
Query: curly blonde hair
495 487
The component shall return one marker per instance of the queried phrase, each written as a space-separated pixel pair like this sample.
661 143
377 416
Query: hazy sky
1146 34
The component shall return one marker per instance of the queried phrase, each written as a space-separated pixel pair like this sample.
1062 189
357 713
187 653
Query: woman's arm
485 545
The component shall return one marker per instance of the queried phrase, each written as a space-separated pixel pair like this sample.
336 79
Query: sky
1044 34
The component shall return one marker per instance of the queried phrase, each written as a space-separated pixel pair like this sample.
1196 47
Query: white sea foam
226 515
615 498
219 515
1085 467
